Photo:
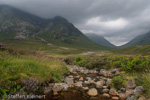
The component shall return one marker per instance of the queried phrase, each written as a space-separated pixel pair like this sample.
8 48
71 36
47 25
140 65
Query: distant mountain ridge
140 40
100 40
17 26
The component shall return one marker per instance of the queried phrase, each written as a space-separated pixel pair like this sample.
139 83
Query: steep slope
100 40
139 40
18 28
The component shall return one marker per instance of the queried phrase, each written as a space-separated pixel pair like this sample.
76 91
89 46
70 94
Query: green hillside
27 31
144 50
139 40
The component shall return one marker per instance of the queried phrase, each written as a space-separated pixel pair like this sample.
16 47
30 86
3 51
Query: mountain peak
59 19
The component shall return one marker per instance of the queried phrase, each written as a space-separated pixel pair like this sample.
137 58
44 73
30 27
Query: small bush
118 82
144 80
78 59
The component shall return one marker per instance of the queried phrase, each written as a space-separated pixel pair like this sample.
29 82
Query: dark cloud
118 20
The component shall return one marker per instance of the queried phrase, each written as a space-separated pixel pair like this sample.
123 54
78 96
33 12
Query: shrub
144 80
118 82
78 59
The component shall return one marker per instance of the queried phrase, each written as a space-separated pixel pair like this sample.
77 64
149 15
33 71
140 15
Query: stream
83 84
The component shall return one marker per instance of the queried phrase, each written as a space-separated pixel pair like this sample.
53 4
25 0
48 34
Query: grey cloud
79 12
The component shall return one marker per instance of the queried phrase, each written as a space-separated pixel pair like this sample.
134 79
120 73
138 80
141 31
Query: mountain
143 39
22 29
100 40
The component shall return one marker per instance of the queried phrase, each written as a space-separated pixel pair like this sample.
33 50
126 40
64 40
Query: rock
92 81
72 69
86 71
122 90
103 71
87 82
88 78
105 90
115 72
81 79
108 82
85 88
51 84
113 92
105 95
142 98
131 98
57 88
77 76
92 92
138 90
79 84
95 71
69 81
47 89
104 87
93 98
115 98
65 87
100 83
55 93
122 96
129 92
131 84
108 74
70 76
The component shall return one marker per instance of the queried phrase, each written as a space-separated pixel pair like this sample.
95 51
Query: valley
53 59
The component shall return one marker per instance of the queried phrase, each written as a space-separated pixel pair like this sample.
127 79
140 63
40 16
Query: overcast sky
119 21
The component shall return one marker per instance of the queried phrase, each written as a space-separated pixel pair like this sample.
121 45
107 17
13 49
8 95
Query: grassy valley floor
34 70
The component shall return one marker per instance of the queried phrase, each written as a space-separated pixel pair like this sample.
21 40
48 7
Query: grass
134 50
118 82
144 80
16 68
128 64
33 44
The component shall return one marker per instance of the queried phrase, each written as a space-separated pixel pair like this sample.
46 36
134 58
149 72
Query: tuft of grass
118 82
16 68
144 80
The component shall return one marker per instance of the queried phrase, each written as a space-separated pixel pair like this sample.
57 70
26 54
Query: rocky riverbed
85 84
